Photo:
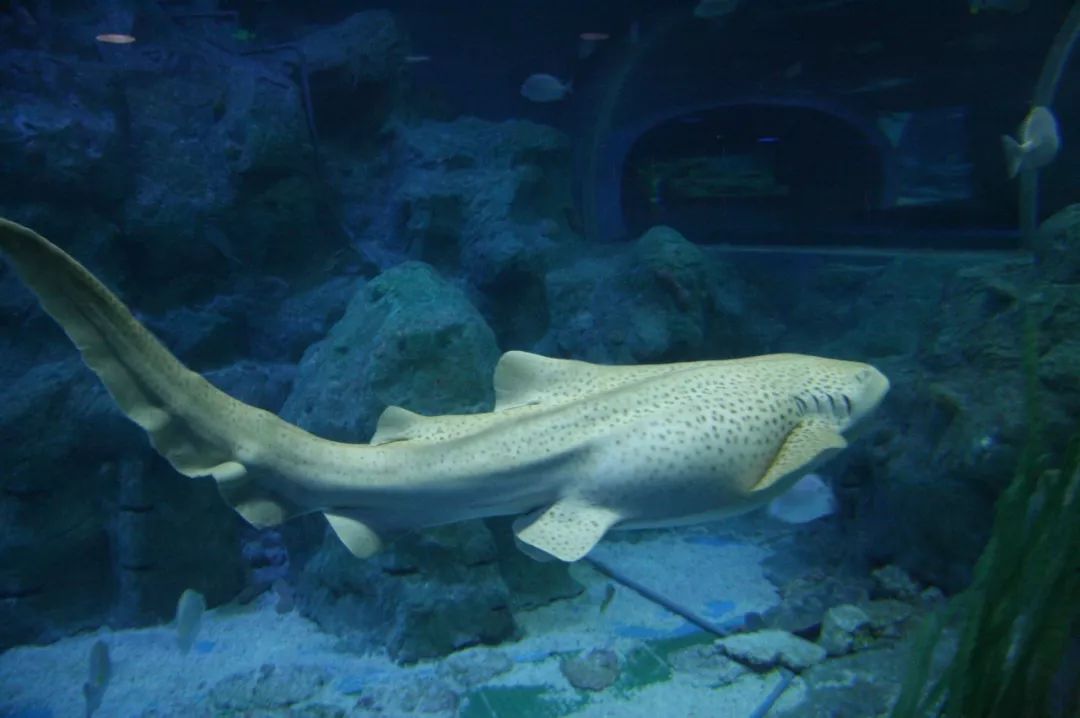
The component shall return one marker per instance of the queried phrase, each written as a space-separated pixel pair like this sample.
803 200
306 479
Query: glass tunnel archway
757 172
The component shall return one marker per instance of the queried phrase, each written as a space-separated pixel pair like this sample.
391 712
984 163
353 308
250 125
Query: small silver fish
98 678
189 612
1038 143
609 595
545 88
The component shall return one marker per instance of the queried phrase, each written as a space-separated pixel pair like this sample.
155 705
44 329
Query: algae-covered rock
1055 245
476 193
407 338
888 618
841 629
60 131
658 300
429 594
891 581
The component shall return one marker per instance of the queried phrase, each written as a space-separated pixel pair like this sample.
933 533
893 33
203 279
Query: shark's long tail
202 431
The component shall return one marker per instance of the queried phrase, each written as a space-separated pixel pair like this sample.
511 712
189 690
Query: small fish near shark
1037 143
542 87
574 448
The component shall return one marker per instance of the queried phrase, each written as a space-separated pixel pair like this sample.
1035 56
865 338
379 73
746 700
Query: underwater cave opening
771 176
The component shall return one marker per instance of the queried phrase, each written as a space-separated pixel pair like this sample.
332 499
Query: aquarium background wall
329 208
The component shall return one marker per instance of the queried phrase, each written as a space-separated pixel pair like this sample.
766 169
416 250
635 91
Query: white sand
721 581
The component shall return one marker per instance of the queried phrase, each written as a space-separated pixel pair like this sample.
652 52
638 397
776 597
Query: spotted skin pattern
575 449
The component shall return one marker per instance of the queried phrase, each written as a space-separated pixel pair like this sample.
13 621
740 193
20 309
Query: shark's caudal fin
201 430
1014 155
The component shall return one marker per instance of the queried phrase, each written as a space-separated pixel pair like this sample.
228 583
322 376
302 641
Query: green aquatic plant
1016 619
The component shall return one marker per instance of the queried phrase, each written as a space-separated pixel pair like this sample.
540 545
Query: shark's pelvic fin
566 530
358 537
811 442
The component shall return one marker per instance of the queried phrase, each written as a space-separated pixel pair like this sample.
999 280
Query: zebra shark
574 449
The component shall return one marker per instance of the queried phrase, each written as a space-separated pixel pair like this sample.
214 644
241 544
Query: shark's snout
872 388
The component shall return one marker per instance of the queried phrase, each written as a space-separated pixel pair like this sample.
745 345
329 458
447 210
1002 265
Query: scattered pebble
594 671
891 581
843 628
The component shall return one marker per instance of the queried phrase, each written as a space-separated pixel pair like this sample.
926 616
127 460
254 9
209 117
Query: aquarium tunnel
755 171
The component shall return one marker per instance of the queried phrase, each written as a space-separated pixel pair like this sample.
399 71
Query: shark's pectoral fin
358 537
811 442
566 530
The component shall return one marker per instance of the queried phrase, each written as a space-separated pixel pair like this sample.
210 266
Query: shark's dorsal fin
522 379
396 424
358 537
566 530
812 441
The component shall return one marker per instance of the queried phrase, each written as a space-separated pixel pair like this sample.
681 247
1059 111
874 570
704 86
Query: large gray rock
429 594
365 47
974 437
860 684
202 152
407 338
659 300
1055 246
943 330
481 194
474 198
213 189
63 124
